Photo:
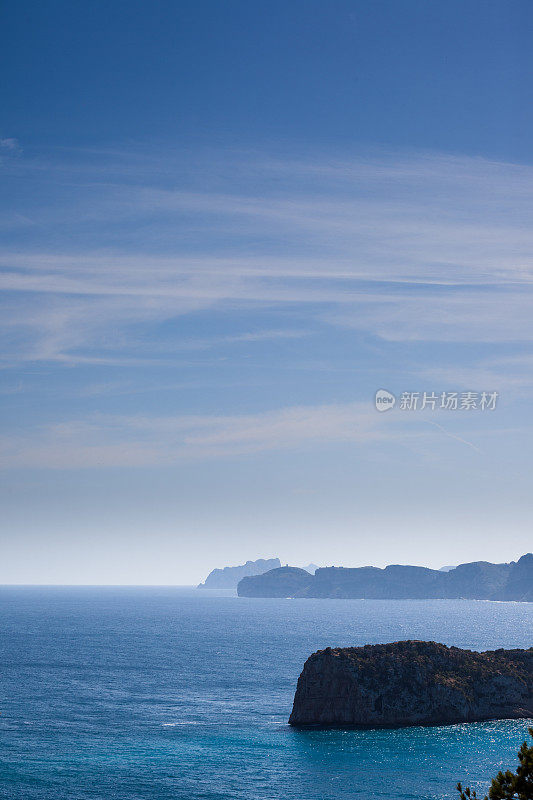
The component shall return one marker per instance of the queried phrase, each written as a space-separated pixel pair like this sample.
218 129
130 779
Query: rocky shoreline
412 683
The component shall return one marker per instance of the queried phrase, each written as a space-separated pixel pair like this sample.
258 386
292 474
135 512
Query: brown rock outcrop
412 683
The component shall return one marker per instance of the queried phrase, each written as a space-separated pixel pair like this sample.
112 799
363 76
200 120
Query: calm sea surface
163 694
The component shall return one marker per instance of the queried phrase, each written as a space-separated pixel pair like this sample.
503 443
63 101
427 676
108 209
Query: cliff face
229 577
479 580
520 583
412 683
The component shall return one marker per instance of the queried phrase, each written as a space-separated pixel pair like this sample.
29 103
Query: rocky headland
478 580
412 683
282 582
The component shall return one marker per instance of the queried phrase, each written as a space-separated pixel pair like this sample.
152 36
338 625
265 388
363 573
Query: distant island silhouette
478 580
228 577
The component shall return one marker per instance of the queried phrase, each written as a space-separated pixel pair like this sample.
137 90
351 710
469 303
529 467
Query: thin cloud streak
114 440
455 436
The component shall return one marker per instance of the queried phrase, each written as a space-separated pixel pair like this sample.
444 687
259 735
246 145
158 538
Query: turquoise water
160 694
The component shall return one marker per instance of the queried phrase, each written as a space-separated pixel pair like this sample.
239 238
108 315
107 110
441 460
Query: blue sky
224 226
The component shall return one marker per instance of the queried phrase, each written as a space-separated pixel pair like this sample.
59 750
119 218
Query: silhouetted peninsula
479 580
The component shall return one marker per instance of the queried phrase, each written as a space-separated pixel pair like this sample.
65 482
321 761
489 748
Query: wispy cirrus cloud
114 440
118 440
421 248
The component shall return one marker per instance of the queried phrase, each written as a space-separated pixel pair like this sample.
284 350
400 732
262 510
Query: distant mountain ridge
228 577
478 580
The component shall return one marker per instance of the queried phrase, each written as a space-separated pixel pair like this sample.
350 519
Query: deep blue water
160 694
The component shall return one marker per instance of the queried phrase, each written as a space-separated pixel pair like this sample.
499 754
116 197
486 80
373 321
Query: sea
169 693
